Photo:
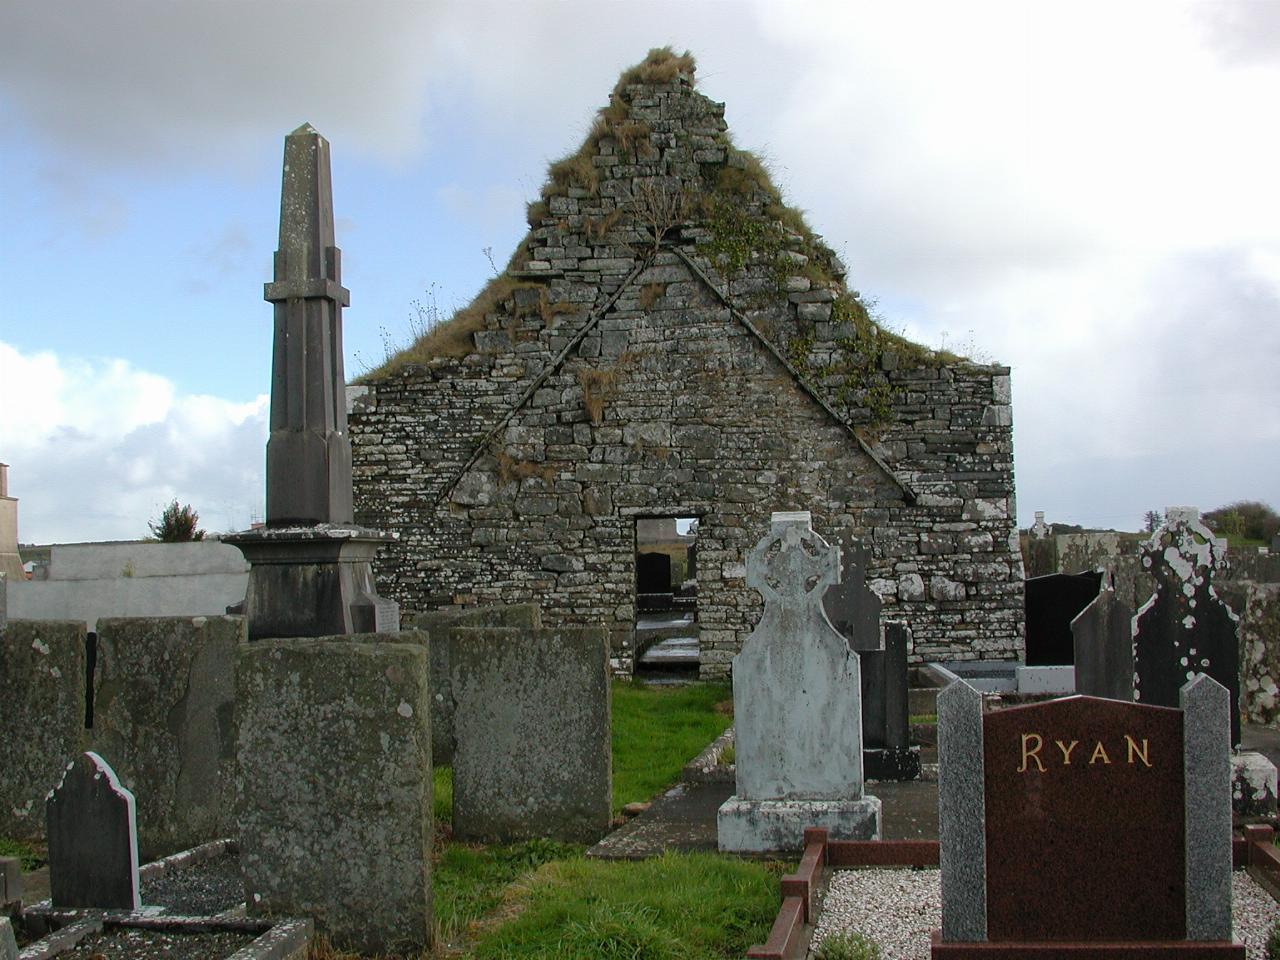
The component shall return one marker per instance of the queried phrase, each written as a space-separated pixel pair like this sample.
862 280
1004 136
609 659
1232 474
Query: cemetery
420 728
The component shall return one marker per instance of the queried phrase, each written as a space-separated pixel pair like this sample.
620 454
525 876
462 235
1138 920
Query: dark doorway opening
666 628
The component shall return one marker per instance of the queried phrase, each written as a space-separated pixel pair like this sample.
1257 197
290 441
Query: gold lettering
1031 754
1133 749
1066 750
1099 751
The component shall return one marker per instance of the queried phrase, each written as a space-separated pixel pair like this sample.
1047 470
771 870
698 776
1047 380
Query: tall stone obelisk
308 453
310 571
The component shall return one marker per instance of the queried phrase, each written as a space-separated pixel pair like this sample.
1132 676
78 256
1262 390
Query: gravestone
334 787
1103 641
42 714
1185 629
311 568
1052 601
164 699
887 753
532 731
436 627
1084 823
93 838
850 605
797 705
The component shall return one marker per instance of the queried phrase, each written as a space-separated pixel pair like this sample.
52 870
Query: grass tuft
847 946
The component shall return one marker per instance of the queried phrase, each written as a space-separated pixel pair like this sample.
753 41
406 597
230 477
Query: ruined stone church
670 340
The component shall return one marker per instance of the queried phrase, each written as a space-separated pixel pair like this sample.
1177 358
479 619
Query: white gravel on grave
900 909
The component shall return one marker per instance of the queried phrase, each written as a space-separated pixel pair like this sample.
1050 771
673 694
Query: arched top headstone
93 838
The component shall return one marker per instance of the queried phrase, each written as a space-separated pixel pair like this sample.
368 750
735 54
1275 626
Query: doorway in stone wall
666 629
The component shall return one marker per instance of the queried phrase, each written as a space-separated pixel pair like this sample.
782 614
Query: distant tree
1152 519
1244 519
177 524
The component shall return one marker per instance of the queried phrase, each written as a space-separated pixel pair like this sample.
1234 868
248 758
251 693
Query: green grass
31 855
923 718
674 907
469 880
657 730
442 794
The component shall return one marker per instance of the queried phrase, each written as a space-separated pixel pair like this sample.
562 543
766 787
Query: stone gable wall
684 332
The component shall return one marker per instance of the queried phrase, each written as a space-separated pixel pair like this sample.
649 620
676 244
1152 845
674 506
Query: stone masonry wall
670 341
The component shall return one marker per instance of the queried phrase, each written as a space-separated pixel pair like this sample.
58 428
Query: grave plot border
278 938
792 930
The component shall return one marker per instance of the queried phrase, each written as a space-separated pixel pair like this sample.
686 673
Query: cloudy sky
1084 191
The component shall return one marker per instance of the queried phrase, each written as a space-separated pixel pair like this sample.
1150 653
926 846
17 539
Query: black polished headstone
1103 638
93 839
1185 629
887 753
851 606
1052 602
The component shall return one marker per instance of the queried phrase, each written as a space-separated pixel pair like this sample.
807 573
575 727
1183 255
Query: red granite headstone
1084 830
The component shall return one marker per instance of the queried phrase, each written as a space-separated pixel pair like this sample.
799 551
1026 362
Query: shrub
177 524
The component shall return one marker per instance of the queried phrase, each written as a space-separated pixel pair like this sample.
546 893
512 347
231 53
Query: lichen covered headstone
1185 629
797 705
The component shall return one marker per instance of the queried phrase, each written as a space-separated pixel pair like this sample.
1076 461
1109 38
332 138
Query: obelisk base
769 826
313 582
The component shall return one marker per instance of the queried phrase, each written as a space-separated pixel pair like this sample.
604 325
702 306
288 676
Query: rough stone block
42 712
163 715
437 625
532 730
334 750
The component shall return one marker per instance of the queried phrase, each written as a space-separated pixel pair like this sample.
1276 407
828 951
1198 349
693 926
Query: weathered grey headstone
437 626
1185 629
797 705
851 606
164 712
335 790
42 703
887 753
93 838
10 882
310 566
532 730
1103 641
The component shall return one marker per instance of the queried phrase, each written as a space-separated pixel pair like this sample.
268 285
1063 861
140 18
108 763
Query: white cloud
100 447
